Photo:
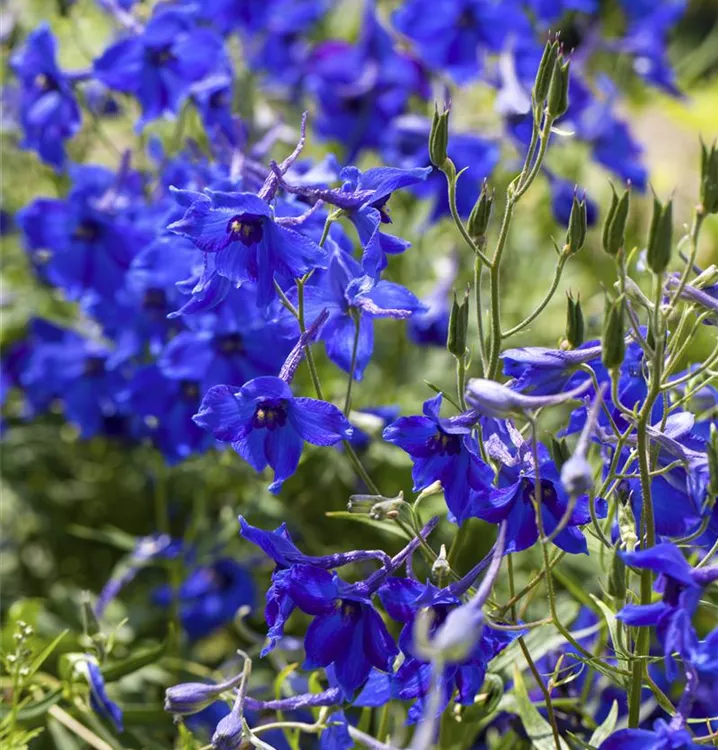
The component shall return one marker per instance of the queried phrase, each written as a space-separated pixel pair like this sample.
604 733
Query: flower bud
574 322
192 697
613 345
439 137
557 102
709 179
660 237
544 72
228 734
481 215
458 326
627 526
617 577
577 476
614 229
558 448
441 568
577 225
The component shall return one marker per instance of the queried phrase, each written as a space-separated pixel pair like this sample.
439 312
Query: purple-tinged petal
328 637
312 589
225 415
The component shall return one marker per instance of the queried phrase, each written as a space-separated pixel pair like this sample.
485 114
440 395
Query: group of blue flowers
204 276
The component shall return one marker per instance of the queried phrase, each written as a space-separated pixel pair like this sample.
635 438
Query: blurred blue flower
361 87
49 112
210 596
452 36
663 737
160 64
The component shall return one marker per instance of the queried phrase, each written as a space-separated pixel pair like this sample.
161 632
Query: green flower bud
614 229
613 345
660 237
577 225
441 568
458 326
439 137
617 577
557 102
574 322
709 179
544 72
481 215
559 450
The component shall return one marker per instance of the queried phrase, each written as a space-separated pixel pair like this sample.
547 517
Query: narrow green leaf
537 728
114 671
389 528
606 729
38 661
612 623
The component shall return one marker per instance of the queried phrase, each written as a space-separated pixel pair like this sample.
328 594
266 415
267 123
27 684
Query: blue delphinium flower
550 11
513 499
87 241
100 701
452 36
363 199
230 345
239 229
443 449
336 736
352 297
267 425
160 64
403 598
361 87
347 631
646 41
210 596
431 328
163 409
49 112
663 737
681 587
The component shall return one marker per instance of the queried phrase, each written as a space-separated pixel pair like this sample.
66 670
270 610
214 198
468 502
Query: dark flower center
444 443
230 344
161 56
349 610
246 229
189 390
94 366
270 414
154 299
383 209
45 82
87 230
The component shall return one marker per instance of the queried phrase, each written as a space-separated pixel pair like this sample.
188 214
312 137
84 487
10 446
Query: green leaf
33 713
537 728
38 661
109 535
606 729
538 640
135 661
390 528
612 623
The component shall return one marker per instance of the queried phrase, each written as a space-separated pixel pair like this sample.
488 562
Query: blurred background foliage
71 509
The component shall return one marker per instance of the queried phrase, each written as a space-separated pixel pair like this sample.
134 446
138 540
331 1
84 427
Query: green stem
451 178
348 400
549 296
513 196
478 269
694 234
